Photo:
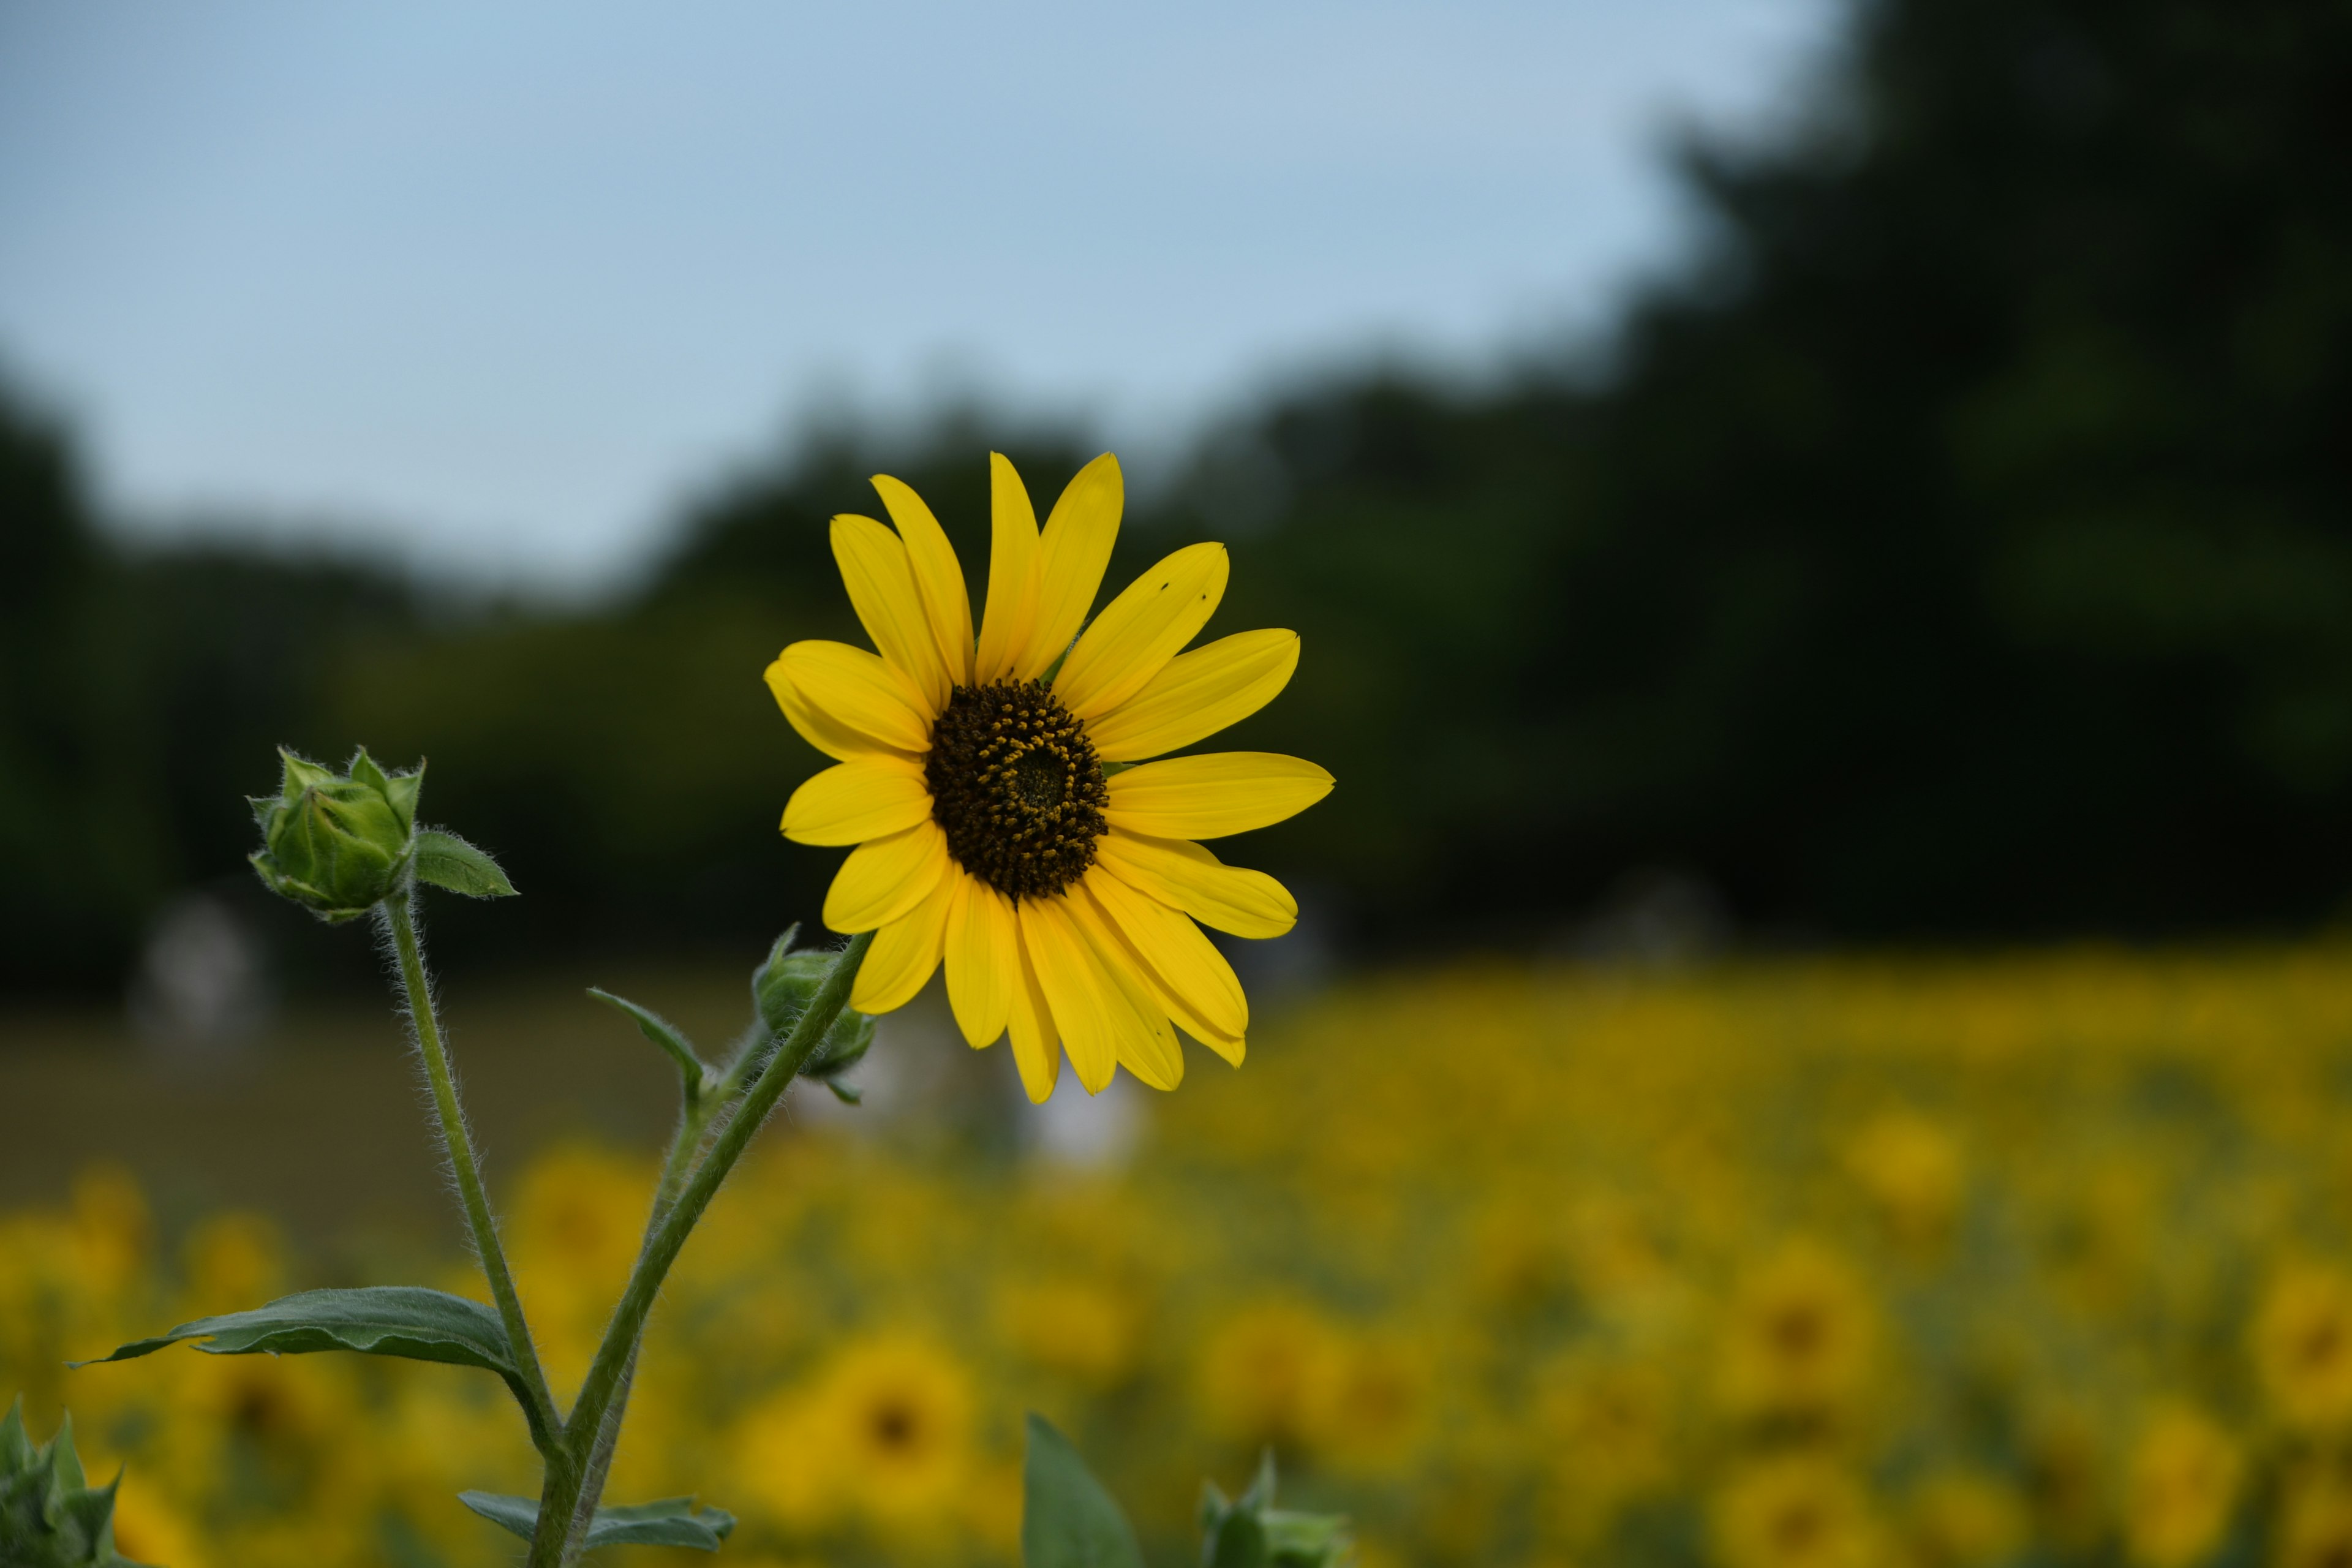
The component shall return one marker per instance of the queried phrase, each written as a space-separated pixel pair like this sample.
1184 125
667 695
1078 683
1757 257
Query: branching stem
564 1502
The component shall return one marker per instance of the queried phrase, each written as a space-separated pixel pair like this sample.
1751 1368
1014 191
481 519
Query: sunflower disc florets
1016 787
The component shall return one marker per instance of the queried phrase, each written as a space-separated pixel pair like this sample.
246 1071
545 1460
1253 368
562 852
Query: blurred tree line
1959 545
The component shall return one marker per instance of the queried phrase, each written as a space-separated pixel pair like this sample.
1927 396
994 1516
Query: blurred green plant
50 1516
1068 1520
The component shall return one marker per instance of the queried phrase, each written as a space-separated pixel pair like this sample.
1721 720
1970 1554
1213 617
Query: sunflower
1006 815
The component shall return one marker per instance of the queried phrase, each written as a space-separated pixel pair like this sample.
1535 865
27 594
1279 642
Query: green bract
337 843
50 1516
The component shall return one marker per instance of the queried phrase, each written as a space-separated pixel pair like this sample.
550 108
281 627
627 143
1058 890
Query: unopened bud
782 989
337 843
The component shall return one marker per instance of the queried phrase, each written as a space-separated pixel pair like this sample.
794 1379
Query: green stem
560 1504
458 1144
693 1122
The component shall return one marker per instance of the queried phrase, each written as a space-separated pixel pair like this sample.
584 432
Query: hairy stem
553 1544
458 1143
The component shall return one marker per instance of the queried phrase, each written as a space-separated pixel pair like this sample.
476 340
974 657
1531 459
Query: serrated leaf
1068 1520
406 1320
447 861
669 1521
660 1031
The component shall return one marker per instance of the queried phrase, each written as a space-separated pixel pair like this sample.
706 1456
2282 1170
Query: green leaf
382 1319
670 1521
1068 1520
661 1032
447 861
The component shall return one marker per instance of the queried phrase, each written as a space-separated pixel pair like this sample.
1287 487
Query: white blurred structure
1094 1132
199 986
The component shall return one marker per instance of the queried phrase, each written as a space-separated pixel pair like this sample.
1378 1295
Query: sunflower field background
1834 1263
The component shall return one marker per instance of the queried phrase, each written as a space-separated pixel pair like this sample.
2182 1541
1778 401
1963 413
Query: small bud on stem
337 843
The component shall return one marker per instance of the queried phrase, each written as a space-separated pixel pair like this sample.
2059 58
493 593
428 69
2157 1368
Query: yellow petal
1183 876
1013 574
881 793
1211 795
1136 636
983 951
1095 1013
904 953
1071 555
938 575
850 690
1036 1048
884 877
881 585
1197 694
1149 1052
835 741
1188 975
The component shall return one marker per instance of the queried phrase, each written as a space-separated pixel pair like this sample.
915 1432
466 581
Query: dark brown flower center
1016 788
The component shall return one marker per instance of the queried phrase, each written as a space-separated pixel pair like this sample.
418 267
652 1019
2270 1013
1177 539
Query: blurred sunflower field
1805 1263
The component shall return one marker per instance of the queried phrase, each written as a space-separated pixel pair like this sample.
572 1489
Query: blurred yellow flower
2315 1526
994 790
2303 1346
1795 1510
1799 1337
1266 1372
1609 1429
1910 1168
882 1436
1374 1404
1962 1518
234 1260
147 1531
2180 1489
1080 1327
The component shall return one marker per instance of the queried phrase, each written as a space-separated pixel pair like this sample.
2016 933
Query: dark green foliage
671 1521
1068 1520
50 1516
1961 544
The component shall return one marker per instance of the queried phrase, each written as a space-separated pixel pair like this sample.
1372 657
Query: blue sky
496 286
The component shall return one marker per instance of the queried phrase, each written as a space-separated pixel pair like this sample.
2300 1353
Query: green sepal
1068 1520
447 861
662 1033
50 1516
847 1093
668 1522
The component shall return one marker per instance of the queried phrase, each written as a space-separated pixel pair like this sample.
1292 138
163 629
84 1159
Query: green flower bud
50 1516
1249 1531
337 843
782 988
